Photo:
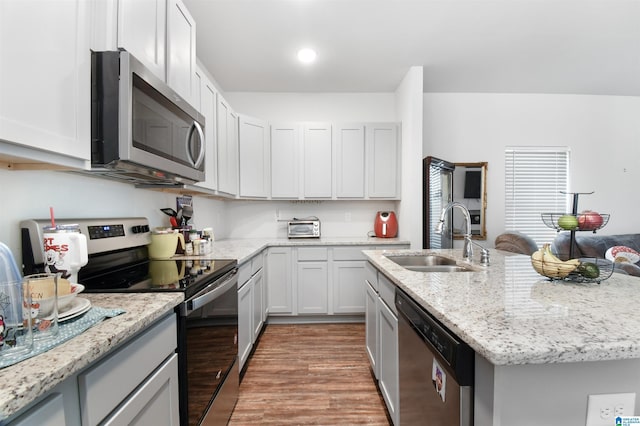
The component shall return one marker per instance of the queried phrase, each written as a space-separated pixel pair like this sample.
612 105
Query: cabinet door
257 309
317 161
45 81
245 317
279 281
285 161
153 403
142 32
254 157
227 148
312 280
49 412
181 49
388 359
383 160
348 287
349 161
371 327
208 110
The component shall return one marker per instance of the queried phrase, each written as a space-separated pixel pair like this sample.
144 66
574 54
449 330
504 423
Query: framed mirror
444 182
470 189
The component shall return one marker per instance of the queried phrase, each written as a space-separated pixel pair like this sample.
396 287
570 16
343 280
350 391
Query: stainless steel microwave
141 130
304 228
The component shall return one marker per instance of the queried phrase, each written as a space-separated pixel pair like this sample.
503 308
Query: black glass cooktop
131 272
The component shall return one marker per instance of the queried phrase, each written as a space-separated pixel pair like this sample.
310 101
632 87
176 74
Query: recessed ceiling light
306 55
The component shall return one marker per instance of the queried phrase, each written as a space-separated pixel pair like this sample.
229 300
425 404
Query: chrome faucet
467 250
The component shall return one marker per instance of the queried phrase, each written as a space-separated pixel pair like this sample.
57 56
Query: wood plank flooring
316 374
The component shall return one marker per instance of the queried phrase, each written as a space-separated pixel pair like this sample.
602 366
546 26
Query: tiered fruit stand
551 220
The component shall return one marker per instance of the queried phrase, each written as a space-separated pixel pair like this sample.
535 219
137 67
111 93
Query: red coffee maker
386 225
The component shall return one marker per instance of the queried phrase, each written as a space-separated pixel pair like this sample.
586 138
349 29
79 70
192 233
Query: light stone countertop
245 249
511 315
25 381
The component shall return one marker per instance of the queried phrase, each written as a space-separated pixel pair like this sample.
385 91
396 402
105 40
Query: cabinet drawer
371 275
349 253
256 263
244 273
104 387
313 253
387 292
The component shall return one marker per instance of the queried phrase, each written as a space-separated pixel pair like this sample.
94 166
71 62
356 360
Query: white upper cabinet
159 33
349 161
208 110
383 160
181 49
142 32
227 147
317 161
45 81
254 157
285 160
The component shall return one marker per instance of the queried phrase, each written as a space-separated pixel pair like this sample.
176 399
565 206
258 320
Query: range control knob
139 229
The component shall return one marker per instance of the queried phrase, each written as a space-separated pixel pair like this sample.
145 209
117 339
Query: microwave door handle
197 162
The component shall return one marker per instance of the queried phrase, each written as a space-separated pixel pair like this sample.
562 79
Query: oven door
207 353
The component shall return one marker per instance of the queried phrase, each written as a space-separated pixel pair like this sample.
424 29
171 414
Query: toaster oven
304 228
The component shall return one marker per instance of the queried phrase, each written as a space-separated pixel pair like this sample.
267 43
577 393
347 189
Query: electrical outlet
603 409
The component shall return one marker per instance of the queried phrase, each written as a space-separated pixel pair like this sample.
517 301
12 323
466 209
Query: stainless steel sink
428 263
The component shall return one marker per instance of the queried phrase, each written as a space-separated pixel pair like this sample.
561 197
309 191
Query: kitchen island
541 347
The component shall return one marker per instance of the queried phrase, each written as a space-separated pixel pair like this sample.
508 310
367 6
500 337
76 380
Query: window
535 179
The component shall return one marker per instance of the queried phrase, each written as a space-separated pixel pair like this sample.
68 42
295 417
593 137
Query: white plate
622 254
78 307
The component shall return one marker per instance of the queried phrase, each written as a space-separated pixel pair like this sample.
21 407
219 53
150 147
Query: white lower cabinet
136 384
381 334
348 287
48 412
251 306
280 280
132 378
312 279
153 402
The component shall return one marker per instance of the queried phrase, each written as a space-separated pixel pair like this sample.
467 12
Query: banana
549 265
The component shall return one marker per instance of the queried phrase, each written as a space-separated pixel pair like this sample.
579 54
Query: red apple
589 220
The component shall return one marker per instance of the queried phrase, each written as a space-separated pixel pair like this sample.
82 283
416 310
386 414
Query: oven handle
207 295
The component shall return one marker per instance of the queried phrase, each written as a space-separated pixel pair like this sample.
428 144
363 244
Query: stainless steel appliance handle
208 294
197 162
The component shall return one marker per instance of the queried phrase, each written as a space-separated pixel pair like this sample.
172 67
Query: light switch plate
603 409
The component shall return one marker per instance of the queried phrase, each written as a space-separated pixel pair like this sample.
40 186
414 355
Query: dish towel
66 330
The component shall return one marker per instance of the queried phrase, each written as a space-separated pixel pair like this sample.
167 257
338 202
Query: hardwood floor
316 374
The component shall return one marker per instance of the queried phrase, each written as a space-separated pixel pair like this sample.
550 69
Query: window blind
534 179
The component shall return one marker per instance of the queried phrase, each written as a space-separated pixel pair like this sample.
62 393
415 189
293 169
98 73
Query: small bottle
188 249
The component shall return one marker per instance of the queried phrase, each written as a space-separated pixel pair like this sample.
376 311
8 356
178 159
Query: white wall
409 112
603 133
257 219
29 194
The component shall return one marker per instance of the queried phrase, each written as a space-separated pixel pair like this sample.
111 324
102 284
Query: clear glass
44 305
15 337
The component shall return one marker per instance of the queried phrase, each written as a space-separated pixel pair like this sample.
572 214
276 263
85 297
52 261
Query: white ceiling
512 46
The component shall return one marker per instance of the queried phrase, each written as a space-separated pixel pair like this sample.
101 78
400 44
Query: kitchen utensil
386 225
187 213
172 216
163 245
65 250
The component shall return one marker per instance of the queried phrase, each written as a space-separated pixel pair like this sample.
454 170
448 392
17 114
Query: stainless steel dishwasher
436 369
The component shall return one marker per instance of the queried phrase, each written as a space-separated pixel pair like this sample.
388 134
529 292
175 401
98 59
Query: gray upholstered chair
515 242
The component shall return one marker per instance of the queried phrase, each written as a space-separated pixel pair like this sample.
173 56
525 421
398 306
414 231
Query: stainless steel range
207 319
